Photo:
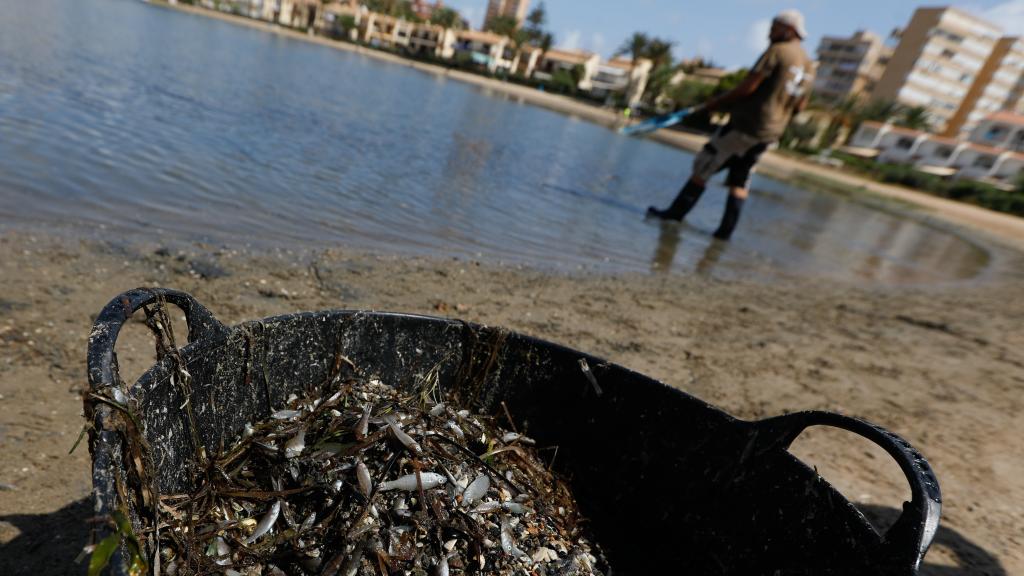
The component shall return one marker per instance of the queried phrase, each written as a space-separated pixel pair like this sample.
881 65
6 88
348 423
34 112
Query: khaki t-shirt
788 76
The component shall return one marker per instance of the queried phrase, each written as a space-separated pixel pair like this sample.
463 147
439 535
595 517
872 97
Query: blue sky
730 32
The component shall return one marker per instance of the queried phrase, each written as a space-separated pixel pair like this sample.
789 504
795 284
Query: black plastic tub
669 483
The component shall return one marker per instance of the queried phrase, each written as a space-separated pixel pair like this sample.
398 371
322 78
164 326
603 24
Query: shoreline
941 366
1002 228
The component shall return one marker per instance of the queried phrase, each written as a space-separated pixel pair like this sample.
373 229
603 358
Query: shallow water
137 118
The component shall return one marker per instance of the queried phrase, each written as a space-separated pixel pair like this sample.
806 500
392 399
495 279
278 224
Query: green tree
504 25
447 17
914 117
659 52
634 46
547 40
396 8
537 18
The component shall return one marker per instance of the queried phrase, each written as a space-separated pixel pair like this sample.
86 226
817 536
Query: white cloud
571 41
757 36
1009 16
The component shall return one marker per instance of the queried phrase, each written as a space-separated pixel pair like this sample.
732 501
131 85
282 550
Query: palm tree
635 46
915 118
547 40
659 52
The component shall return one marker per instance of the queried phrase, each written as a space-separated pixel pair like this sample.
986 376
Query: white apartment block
940 55
994 153
850 67
997 88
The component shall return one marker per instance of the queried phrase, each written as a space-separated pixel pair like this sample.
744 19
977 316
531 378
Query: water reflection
120 113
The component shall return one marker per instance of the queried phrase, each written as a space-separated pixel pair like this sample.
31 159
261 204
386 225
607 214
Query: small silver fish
363 474
508 543
486 508
296 444
308 522
402 437
222 551
476 490
265 524
514 507
408 483
455 428
286 414
511 437
363 427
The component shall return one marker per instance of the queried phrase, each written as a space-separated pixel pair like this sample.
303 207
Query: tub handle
916 527
102 360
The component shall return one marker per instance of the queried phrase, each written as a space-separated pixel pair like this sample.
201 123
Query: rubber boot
681 206
733 207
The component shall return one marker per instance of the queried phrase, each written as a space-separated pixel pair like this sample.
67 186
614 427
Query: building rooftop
480 36
1006 118
987 149
623 63
572 56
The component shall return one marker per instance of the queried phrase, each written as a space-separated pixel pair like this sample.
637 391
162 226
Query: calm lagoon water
119 114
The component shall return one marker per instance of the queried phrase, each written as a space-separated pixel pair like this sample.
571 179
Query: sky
730 32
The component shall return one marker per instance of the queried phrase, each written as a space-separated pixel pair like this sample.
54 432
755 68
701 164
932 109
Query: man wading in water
761 107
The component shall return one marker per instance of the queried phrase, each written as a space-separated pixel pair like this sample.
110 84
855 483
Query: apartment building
850 67
620 76
998 86
555 60
514 8
940 54
994 152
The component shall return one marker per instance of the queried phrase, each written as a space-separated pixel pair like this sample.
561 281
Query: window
996 133
984 162
1018 141
905 143
943 152
947 53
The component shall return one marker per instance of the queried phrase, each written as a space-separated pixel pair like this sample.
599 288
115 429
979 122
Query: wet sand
941 365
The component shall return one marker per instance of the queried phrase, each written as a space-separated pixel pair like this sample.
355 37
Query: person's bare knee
739 192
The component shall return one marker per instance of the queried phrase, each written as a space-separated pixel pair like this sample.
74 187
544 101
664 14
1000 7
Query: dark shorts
730 149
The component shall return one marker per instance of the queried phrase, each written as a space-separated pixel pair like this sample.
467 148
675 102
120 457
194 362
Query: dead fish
455 428
363 427
442 566
308 522
514 507
508 543
220 549
404 438
363 474
486 508
286 414
476 490
437 410
296 444
511 437
265 524
408 483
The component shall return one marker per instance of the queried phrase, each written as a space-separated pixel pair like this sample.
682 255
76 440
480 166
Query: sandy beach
943 366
